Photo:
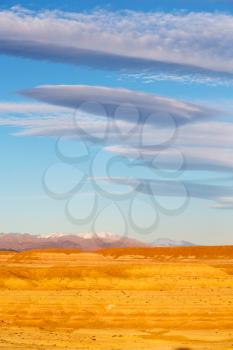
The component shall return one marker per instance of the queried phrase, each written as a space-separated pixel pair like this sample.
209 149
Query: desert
176 298
116 163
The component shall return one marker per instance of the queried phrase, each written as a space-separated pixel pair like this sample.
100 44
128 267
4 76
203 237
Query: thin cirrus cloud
200 146
41 119
220 194
12 108
158 45
179 158
204 144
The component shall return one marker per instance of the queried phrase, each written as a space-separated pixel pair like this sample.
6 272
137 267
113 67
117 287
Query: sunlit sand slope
118 299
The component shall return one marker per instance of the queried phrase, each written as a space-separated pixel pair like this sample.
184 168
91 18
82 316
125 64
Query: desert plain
117 299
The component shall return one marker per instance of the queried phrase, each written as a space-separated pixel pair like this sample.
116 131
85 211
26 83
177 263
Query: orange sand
117 299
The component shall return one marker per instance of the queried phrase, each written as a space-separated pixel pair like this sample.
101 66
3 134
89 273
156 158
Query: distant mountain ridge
166 242
82 241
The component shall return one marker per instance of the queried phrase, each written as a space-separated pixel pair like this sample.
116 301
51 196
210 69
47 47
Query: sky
117 116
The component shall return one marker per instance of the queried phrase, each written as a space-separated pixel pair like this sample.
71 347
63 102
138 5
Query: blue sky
147 5
68 70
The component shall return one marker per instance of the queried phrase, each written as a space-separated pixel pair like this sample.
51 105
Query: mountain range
83 241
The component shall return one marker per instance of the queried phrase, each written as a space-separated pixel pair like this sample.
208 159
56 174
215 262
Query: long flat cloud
198 146
189 45
108 100
16 108
202 146
202 142
221 195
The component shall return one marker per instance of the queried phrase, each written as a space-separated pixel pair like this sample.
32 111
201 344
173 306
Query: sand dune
117 299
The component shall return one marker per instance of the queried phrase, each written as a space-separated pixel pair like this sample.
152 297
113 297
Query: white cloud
30 108
199 146
175 76
180 158
195 46
107 100
38 119
177 188
202 146
199 143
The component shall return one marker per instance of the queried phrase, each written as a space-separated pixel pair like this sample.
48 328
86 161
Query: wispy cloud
83 112
180 158
222 195
38 119
178 46
200 146
16 108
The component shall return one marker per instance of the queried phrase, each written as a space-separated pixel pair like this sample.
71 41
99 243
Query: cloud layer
102 100
188 46
200 146
163 135
177 188
156 132
221 196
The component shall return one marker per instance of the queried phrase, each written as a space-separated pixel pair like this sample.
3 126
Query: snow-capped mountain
82 241
104 235
53 235
166 242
